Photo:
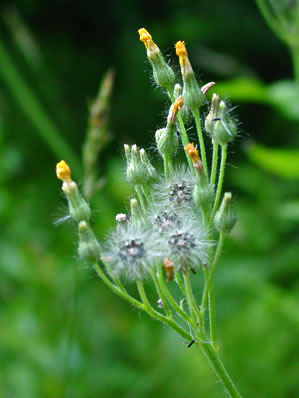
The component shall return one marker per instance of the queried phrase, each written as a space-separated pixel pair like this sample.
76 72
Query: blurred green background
62 332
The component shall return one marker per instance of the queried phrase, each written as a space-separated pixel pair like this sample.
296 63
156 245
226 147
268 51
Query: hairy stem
214 163
220 180
195 313
182 130
156 315
201 141
169 297
220 371
209 279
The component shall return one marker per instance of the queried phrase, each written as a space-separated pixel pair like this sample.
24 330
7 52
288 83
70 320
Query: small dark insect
216 119
191 343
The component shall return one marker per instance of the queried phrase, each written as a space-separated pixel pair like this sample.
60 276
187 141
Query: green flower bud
89 248
203 193
225 218
192 94
163 74
151 174
167 141
78 207
136 172
136 212
139 169
212 115
225 128
185 111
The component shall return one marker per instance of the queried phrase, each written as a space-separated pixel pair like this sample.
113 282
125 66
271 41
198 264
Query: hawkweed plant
178 219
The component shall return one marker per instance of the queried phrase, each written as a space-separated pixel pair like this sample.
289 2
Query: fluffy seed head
133 251
176 192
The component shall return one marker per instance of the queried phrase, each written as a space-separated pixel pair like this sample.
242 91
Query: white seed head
134 250
176 192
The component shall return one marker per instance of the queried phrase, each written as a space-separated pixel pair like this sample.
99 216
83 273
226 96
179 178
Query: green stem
220 371
147 195
180 283
116 289
209 280
140 197
156 315
214 163
201 141
195 313
212 317
33 109
169 297
113 277
182 130
161 294
220 179
166 161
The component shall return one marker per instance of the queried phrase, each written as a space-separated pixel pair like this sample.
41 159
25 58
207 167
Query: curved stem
161 294
155 314
170 299
116 289
201 142
220 180
195 313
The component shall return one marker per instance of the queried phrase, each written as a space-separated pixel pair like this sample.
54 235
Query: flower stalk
176 226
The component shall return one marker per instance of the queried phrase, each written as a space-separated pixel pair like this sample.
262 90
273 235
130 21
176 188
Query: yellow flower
181 52
192 152
146 38
63 171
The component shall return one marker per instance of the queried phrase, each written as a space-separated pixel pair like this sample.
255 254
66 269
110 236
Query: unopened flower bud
192 94
151 174
163 74
219 123
89 248
225 218
166 138
135 211
63 171
78 207
203 193
212 115
185 111
136 172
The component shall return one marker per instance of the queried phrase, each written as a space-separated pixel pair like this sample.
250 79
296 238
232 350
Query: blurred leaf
246 89
282 162
289 210
284 96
